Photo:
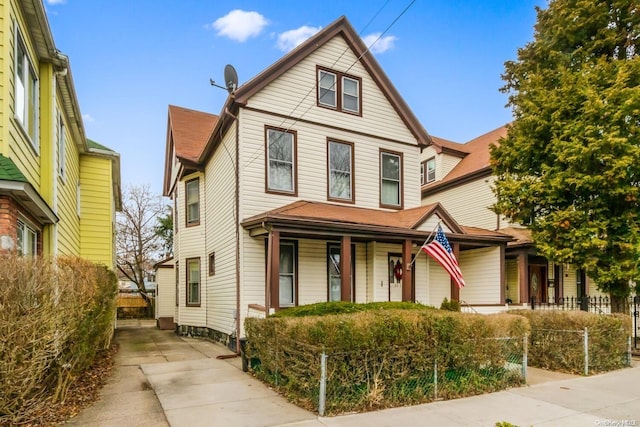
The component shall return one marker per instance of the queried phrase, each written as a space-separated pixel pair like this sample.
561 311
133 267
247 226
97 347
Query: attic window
428 171
339 91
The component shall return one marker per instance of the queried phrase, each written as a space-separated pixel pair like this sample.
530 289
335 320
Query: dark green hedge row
557 340
384 357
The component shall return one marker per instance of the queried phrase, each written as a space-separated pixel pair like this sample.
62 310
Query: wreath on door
397 270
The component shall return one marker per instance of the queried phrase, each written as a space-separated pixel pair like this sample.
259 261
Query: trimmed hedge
55 315
383 357
557 340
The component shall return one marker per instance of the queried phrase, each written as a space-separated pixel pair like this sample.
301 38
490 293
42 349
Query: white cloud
292 38
381 45
54 2
240 25
87 118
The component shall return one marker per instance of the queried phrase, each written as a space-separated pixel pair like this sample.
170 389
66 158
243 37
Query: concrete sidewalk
161 379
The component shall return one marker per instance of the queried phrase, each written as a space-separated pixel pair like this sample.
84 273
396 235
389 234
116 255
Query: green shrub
54 316
452 305
557 340
343 307
384 357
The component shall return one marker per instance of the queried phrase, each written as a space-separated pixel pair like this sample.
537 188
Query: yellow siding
21 149
4 73
96 210
68 229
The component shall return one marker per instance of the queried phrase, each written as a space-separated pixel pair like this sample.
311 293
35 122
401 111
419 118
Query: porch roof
317 218
521 236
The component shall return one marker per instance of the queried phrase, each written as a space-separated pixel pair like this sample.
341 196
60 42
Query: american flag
440 250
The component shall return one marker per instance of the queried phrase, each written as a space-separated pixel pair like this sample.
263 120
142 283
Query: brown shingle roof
475 161
406 218
191 130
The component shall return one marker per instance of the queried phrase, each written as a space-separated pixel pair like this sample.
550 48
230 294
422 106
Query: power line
254 156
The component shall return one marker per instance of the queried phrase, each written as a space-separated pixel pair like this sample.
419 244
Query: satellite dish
230 78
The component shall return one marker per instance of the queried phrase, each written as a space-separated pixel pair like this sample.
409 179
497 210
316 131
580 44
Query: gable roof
187 134
475 163
190 130
338 28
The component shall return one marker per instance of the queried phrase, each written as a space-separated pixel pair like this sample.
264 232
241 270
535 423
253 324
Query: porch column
408 291
273 271
503 275
523 279
345 268
455 290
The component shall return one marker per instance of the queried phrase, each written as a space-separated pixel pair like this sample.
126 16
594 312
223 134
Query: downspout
237 231
62 72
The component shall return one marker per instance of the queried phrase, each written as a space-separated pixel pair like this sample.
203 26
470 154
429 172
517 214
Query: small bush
343 307
452 305
55 315
557 340
381 358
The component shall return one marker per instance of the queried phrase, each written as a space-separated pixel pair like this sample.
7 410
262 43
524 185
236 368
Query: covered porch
315 252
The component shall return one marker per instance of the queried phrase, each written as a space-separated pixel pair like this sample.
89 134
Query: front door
537 283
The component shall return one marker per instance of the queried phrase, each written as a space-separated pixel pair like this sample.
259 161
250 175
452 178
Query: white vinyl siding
293 94
311 164
469 204
512 280
481 271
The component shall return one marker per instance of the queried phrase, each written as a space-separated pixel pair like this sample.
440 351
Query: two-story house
460 177
305 188
58 190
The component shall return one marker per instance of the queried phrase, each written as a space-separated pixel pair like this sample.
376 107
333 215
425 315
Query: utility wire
254 156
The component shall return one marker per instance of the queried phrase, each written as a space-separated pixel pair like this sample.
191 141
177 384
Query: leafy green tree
164 230
569 167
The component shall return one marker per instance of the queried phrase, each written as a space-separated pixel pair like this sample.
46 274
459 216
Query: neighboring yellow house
306 189
58 191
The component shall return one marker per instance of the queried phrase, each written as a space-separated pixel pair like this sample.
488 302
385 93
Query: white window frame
333 170
428 171
386 179
273 135
26 98
188 189
345 94
24 229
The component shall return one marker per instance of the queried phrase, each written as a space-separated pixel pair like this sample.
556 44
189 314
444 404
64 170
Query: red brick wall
8 217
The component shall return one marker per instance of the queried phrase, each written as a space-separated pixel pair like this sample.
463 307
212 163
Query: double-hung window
287 274
390 179
428 171
193 202
339 91
26 91
193 282
281 161
27 239
340 164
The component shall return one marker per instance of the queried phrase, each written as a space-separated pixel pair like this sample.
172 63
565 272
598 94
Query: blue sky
131 59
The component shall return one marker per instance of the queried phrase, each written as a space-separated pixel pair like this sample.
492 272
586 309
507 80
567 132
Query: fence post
525 344
435 378
586 351
323 383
